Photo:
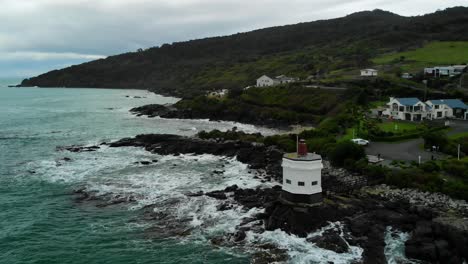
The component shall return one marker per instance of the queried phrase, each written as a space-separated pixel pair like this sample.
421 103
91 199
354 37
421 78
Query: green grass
459 135
433 54
397 127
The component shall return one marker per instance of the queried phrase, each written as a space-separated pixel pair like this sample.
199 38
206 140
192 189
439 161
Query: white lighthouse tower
302 176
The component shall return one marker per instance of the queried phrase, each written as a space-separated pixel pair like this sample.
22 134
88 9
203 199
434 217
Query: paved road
458 126
411 150
408 151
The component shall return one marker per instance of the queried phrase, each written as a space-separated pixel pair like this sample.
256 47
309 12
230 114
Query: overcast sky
40 35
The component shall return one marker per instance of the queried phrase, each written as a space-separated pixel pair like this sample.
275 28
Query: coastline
365 214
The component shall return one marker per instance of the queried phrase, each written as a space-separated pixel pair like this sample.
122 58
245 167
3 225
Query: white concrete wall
302 171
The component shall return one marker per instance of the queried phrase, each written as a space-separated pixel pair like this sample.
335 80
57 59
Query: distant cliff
188 68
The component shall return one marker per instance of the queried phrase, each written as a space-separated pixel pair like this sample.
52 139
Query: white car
360 141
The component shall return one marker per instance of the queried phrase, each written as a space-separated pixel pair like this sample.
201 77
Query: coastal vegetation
333 50
431 54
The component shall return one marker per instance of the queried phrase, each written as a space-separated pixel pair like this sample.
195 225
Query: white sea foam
302 251
117 171
395 246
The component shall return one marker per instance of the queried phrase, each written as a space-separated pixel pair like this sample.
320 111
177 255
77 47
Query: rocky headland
172 112
437 224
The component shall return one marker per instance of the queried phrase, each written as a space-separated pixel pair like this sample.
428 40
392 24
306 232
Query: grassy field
459 135
433 54
397 126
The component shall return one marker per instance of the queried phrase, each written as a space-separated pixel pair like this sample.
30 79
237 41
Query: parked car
360 141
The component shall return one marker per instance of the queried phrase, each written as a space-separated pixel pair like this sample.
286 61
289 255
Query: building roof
369 70
308 157
408 101
452 103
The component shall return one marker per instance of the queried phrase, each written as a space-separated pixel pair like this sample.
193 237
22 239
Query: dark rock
231 188
422 251
224 207
145 162
239 236
220 195
330 240
197 194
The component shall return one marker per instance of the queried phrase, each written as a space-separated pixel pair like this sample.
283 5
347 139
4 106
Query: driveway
458 126
408 150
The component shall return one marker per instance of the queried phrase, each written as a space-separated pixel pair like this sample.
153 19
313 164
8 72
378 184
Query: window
288 181
436 106
314 182
301 183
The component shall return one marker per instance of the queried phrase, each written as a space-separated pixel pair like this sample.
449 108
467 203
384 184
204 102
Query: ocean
42 222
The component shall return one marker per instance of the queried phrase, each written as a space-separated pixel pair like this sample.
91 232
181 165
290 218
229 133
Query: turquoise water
40 222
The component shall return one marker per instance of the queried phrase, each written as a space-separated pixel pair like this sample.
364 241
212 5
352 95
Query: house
265 80
411 109
407 75
447 108
218 93
459 68
369 72
439 71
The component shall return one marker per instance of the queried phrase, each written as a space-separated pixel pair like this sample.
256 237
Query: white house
406 75
442 71
302 177
369 72
447 108
411 109
265 80
218 93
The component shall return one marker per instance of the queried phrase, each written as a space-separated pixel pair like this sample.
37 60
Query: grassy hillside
192 67
432 54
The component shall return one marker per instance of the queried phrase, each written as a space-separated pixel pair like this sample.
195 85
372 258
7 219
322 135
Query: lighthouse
302 177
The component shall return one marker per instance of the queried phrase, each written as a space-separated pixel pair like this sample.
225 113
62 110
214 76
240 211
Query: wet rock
231 188
197 194
330 240
224 207
217 241
220 195
239 236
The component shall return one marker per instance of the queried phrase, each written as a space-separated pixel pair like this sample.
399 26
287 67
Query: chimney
302 148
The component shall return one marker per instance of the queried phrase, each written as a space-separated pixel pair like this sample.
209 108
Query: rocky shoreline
438 234
172 112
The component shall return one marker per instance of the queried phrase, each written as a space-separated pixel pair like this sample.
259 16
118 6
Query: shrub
430 166
346 150
435 138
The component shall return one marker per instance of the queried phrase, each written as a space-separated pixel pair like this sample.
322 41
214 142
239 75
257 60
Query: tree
346 150
435 138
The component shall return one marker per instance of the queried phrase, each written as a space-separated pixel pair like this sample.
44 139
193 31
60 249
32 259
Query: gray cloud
63 32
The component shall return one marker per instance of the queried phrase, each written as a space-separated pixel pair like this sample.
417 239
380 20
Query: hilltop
231 62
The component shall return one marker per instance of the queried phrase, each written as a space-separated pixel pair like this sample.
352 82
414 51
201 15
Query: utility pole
461 81
458 151
425 90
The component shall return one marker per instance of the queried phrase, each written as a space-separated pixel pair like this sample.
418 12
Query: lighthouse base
301 199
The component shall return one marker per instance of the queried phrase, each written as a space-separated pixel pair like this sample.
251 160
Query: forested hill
235 61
